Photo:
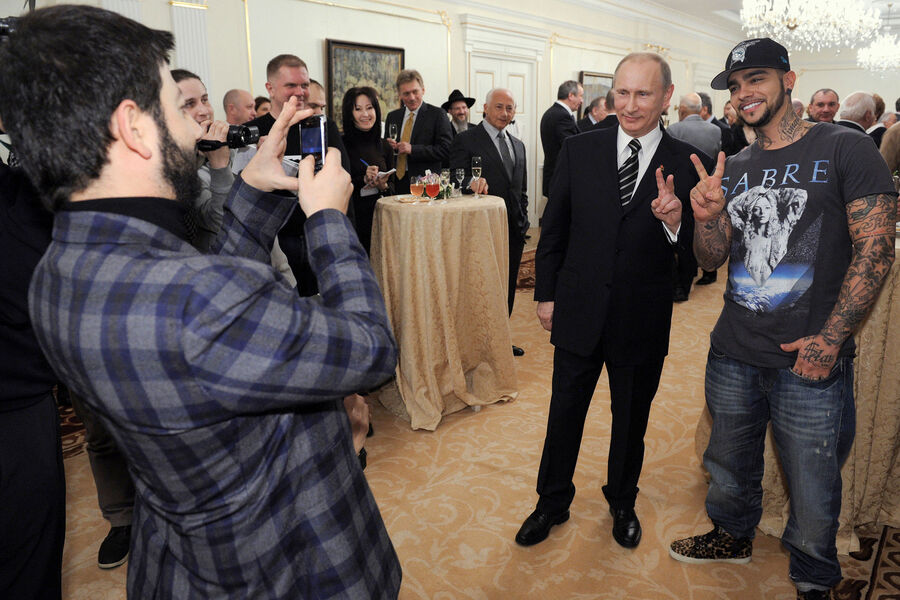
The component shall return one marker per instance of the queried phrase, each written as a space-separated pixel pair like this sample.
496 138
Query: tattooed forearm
871 222
712 241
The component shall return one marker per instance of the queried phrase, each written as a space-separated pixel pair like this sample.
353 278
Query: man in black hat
805 217
458 107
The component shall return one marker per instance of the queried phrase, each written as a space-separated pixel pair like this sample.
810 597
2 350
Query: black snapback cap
758 53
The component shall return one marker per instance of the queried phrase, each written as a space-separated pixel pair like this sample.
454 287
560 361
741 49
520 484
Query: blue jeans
813 423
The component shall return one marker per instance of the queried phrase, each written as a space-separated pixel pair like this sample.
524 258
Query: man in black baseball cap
458 106
758 53
805 218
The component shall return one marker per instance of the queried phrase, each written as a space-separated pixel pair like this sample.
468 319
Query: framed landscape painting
356 65
595 85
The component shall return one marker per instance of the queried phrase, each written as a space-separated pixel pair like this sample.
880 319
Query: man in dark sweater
287 77
32 486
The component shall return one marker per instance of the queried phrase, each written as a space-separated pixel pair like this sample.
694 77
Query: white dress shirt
649 143
566 106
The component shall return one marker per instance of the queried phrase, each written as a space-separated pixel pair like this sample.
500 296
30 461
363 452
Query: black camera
238 137
7 27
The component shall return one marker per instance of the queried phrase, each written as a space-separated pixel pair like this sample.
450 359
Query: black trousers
516 245
632 389
32 502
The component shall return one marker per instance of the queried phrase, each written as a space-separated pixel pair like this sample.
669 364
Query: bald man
239 107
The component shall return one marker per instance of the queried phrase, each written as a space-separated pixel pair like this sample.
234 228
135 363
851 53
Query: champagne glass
460 174
392 133
432 187
476 169
417 186
445 182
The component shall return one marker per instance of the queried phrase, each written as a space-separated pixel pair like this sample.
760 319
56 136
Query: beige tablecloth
871 475
443 272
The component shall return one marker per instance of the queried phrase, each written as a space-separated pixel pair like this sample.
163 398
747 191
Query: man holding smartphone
220 385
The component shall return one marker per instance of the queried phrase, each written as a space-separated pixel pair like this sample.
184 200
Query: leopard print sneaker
716 546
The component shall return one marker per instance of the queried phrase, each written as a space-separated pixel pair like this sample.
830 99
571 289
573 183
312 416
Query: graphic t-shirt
790 245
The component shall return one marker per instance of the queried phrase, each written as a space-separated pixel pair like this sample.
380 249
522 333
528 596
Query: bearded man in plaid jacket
221 386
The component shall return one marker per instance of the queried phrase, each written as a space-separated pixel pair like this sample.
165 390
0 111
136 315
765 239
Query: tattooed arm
871 223
712 229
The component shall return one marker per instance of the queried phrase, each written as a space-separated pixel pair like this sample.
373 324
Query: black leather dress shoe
537 526
626 527
679 295
518 351
708 278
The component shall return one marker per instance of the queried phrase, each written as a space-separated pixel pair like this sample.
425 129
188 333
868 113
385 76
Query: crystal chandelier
810 24
883 54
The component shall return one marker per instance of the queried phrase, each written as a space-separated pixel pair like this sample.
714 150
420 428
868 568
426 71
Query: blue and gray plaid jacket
221 386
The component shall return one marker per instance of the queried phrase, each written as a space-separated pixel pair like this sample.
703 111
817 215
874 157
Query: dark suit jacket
609 121
453 129
476 141
608 268
850 125
430 141
585 124
877 134
556 125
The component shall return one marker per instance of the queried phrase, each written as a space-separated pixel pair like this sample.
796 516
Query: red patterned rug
526 271
72 432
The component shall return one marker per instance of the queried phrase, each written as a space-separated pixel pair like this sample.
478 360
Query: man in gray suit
691 127
706 136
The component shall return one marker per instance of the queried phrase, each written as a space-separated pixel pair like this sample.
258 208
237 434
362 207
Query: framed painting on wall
595 85
357 65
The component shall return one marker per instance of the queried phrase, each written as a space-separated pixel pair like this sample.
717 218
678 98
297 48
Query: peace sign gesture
707 197
666 207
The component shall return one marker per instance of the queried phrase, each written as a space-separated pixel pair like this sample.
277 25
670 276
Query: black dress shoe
626 527
537 526
518 351
680 295
708 278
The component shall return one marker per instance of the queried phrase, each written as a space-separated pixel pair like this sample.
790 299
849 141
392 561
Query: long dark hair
351 131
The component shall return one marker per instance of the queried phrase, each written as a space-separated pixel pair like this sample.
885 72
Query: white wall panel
191 44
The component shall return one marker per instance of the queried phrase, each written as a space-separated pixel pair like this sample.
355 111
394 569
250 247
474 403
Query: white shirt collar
566 106
649 143
415 112
492 131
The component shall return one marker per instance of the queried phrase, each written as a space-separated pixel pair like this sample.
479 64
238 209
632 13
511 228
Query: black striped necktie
628 173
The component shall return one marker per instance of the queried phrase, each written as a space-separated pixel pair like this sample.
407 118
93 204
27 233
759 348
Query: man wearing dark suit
604 288
858 112
503 164
457 106
611 120
423 130
823 106
593 114
557 124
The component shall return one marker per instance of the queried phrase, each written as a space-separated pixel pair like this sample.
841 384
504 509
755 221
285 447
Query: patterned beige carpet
453 499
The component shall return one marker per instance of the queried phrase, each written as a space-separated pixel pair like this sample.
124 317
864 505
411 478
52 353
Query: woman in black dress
369 154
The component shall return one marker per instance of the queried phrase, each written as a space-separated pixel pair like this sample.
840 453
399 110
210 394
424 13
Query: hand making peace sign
707 197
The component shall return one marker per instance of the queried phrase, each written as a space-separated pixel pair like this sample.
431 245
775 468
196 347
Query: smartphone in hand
313 139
